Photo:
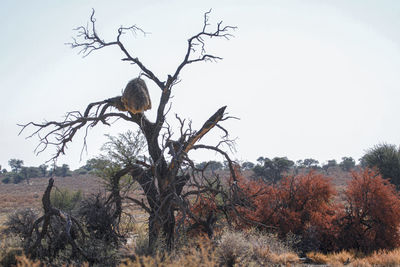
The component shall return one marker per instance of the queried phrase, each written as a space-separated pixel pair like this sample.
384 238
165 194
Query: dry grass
23 195
233 248
378 258
246 249
23 261
318 258
334 259
201 253
287 258
10 247
253 248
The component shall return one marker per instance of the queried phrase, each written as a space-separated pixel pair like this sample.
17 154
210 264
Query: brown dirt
23 195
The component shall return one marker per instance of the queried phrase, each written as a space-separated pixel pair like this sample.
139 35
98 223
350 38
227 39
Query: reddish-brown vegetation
302 205
367 218
371 218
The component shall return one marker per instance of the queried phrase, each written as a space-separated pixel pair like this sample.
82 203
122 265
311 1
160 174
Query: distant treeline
384 157
273 169
19 172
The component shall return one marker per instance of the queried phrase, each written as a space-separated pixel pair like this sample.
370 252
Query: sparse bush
98 217
65 200
99 245
20 222
12 177
17 178
254 248
233 247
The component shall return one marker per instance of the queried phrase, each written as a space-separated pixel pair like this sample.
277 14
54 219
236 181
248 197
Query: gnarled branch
60 133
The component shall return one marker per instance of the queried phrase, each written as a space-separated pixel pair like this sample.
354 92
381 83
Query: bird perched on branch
135 98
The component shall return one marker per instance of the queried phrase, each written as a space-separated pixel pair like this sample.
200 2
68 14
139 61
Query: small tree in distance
272 170
16 165
43 170
330 164
386 158
247 165
211 165
347 164
308 163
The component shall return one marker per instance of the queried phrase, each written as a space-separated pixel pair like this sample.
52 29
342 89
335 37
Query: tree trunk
154 230
167 217
161 228
162 220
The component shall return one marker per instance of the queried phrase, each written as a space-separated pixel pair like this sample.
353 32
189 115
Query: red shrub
204 206
202 215
304 205
300 204
371 219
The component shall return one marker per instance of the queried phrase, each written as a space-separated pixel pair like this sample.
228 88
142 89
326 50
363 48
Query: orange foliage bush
367 220
202 217
371 218
301 204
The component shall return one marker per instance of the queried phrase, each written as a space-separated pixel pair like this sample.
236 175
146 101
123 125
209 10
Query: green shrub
18 178
6 180
386 158
65 199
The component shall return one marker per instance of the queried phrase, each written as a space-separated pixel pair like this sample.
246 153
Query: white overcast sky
317 79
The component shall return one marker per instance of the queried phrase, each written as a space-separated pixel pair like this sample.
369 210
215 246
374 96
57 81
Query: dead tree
168 170
43 225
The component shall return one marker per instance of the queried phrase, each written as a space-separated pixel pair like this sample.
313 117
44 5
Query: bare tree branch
89 41
59 134
198 39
